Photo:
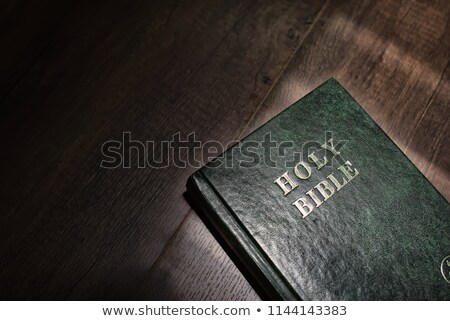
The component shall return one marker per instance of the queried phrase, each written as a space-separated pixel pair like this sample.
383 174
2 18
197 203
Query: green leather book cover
319 204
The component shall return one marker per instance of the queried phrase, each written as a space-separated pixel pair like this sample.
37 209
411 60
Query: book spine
230 230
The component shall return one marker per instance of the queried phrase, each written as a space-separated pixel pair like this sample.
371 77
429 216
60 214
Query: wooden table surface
75 74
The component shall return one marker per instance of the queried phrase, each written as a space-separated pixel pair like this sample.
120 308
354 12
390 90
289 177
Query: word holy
321 192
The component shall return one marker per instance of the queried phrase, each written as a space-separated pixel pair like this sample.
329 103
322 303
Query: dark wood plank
64 213
191 272
27 28
70 229
391 66
199 270
428 147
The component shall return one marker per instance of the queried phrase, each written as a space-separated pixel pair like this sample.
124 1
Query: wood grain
381 56
27 28
70 229
208 275
393 58
428 147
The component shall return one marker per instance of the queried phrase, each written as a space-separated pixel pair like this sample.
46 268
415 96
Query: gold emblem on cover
445 268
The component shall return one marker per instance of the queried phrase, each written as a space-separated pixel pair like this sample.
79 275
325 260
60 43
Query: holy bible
319 204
